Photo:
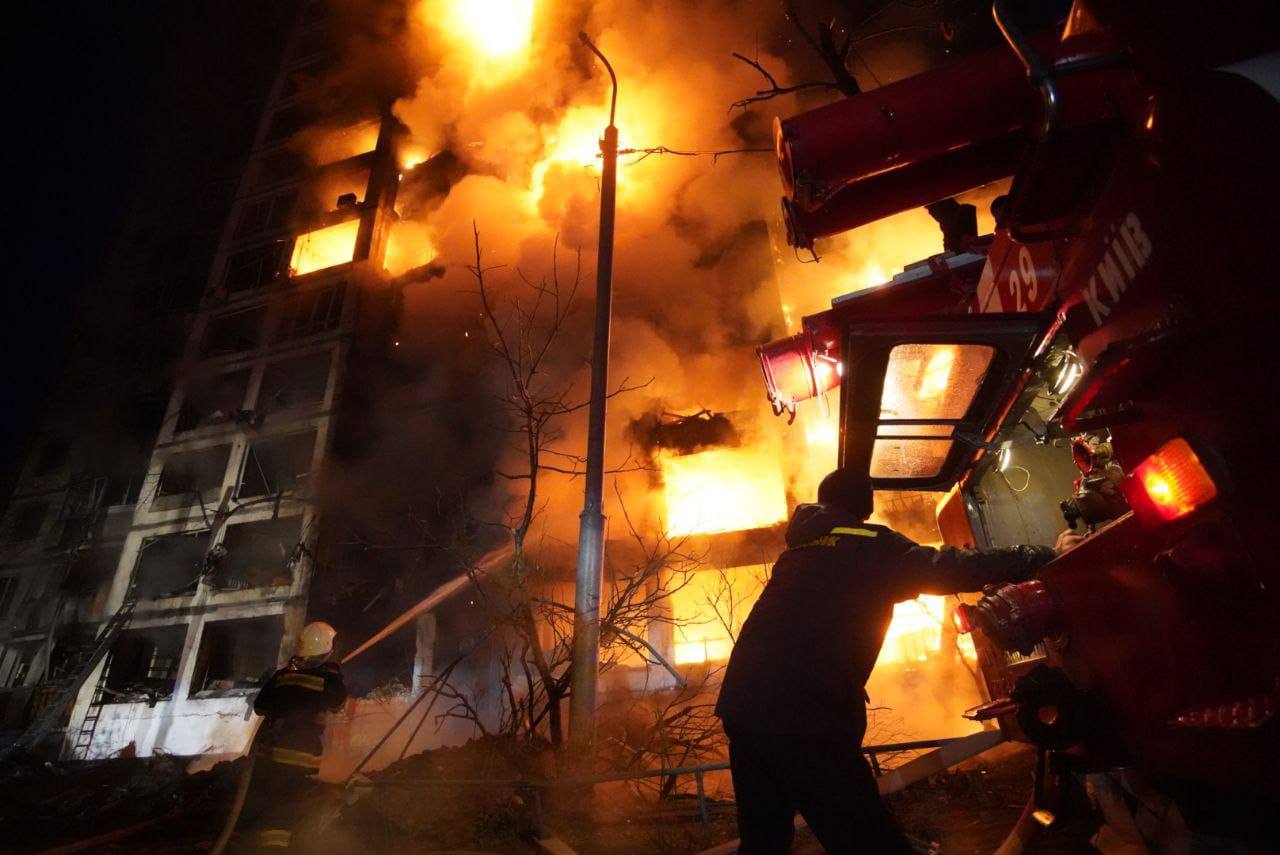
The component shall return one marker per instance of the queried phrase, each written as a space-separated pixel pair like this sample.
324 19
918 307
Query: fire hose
490 560
242 792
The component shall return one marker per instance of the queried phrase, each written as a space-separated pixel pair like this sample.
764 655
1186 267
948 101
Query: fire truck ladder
50 715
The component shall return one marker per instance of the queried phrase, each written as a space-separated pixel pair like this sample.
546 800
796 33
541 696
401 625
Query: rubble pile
494 817
48 805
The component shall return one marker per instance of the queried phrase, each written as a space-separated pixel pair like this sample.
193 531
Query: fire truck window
908 458
933 381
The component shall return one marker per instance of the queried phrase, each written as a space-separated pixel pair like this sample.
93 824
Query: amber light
1174 480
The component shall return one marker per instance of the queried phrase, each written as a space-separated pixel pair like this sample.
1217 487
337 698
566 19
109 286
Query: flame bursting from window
323 248
725 489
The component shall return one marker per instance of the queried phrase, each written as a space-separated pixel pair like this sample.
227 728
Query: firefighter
793 701
293 702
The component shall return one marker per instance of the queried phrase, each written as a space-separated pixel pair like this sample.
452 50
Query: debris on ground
399 810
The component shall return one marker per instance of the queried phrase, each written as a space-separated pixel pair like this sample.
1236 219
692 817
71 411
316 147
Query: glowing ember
498 29
323 248
726 489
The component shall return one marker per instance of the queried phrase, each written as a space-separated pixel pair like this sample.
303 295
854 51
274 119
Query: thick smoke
506 146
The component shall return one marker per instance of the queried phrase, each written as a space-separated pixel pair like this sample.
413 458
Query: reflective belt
310 682
833 537
277 838
290 757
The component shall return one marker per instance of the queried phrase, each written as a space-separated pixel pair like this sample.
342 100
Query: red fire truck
1104 356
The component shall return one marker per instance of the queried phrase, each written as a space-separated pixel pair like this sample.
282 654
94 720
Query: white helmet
316 640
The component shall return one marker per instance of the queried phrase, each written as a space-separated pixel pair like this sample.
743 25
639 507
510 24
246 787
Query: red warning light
1174 481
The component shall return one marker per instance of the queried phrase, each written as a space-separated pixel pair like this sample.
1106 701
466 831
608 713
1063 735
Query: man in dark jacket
289 745
793 697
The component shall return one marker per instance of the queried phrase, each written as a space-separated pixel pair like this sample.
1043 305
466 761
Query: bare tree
526 332
834 52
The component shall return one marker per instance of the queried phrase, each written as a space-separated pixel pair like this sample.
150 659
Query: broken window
212 399
253 268
268 214
237 654
309 313
91 569
233 332
8 591
25 522
927 389
259 554
195 471
277 465
18 662
324 247
144 664
71 641
170 564
294 382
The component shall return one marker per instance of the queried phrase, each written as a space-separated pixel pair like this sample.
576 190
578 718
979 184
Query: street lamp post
586 610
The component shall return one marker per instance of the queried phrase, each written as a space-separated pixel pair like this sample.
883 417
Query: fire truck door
921 397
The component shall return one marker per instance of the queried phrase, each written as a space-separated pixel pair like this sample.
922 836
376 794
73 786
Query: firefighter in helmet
793 701
293 702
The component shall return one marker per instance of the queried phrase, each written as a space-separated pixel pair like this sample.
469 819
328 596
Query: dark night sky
81 77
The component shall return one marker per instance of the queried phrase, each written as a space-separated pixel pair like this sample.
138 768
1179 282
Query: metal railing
699 772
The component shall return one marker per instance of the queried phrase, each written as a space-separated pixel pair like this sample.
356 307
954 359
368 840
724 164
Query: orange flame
496 29
725 489
324 247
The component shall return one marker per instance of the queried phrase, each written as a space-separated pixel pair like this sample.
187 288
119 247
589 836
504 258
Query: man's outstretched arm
920 569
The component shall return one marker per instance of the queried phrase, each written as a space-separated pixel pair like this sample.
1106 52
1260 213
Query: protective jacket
294 701
805 652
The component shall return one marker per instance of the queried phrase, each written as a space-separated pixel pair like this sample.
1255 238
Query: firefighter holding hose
793 701
288 747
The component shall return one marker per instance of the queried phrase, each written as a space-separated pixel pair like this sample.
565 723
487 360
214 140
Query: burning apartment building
349 386
327 437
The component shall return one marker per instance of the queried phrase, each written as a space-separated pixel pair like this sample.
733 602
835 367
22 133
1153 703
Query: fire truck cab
1104 360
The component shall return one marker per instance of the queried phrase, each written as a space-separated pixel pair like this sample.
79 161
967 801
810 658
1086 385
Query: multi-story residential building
177 476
